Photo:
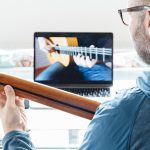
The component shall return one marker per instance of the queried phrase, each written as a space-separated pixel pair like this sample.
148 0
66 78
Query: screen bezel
93 84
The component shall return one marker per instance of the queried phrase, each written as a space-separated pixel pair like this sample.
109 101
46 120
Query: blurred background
21 18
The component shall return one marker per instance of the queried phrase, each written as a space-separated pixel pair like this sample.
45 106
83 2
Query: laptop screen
73 59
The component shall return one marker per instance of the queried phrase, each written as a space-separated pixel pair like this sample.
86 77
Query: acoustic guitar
51 96
63 48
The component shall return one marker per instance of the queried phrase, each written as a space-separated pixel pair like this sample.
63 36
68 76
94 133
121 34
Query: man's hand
12 111
83 61
45 44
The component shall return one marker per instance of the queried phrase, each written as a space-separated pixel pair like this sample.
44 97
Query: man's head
140 29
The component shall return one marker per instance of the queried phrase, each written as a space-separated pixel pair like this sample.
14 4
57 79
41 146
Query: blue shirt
120 124
17 140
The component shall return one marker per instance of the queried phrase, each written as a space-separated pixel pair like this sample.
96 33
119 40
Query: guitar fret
81 51
103 55
90 53
85 52
96 54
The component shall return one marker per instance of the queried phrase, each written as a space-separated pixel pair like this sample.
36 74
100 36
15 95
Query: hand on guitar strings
84 61
12 111
45 44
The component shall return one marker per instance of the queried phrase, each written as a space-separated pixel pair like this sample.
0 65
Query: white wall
19 19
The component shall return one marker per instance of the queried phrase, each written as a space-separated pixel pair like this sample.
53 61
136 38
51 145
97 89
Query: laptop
81 62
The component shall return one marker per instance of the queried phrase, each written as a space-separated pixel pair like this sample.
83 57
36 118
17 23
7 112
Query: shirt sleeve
17 140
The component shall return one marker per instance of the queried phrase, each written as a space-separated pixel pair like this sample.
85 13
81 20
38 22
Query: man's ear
147 21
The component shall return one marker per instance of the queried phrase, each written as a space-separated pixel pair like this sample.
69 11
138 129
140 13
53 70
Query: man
120 124
124 122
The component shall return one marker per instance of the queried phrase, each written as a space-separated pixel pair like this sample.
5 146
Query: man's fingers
2 100
92 46
77 60
3 93
90 63
48 47
20 102
83 62
10 95
3 97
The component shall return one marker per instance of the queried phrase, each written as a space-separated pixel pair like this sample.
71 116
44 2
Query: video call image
78 59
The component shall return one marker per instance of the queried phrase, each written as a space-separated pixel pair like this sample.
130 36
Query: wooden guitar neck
51 96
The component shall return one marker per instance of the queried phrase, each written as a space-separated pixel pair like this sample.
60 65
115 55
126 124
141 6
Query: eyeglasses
124 13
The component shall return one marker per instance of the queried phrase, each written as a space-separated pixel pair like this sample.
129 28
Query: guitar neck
51 96
93 53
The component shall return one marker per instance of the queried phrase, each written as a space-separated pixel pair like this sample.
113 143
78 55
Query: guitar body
56 56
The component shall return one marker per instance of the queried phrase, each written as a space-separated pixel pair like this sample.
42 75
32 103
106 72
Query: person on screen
81 69
122 123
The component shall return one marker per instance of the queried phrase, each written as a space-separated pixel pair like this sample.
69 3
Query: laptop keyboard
90 92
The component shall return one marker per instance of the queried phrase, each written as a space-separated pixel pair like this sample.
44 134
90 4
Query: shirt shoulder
113 121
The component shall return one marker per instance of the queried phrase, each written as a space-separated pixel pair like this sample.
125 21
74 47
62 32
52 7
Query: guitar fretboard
103 54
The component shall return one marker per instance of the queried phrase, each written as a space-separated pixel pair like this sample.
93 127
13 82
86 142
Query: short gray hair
140 2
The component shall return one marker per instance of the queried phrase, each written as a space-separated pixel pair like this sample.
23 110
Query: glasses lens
126 18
